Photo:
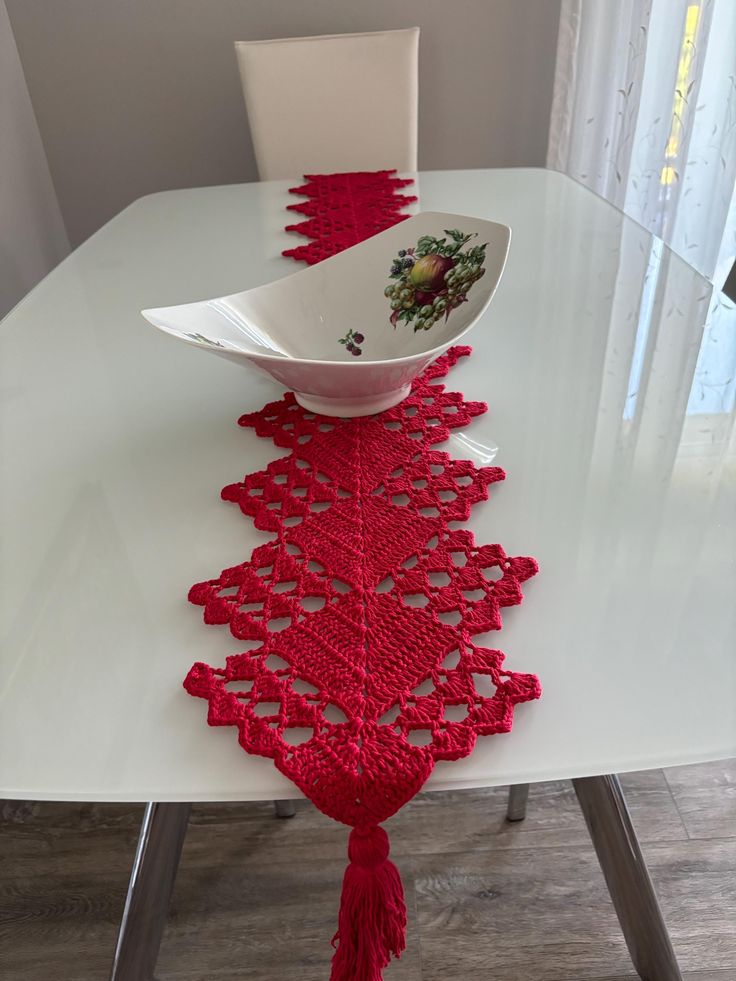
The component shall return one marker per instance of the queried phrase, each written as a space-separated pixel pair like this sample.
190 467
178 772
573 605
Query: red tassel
372 923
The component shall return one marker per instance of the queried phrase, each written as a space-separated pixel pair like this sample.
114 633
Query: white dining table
608 364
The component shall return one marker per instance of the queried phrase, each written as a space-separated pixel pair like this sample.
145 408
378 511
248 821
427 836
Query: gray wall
32 236
134 96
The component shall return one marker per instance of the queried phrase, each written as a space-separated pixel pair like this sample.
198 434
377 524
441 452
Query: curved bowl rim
351 365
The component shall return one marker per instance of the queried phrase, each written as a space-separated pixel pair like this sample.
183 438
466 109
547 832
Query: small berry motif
352 341
433 278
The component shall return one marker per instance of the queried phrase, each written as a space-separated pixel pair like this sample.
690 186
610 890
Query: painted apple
428 273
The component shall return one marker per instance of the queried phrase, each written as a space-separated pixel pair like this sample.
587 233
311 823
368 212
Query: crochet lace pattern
344 209
360 617
361 623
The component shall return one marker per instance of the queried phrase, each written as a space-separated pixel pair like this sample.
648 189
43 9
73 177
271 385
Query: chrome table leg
609 823
516 807
162 834
284 808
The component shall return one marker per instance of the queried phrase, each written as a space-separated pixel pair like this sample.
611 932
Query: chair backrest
335 103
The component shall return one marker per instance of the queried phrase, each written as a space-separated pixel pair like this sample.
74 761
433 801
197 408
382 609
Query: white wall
32 235
135 96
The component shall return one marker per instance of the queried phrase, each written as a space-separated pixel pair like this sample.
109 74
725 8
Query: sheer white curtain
644 113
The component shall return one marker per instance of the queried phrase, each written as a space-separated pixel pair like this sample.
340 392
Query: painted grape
428 282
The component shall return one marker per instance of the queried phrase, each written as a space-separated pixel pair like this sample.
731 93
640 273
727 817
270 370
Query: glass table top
609 366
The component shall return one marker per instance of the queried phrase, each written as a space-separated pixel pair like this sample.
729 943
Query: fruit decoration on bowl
433 278
352 341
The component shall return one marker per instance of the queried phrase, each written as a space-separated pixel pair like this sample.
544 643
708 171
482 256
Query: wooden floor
256 897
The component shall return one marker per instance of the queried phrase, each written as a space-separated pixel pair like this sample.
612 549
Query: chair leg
284 808
151 884
518 796
609 823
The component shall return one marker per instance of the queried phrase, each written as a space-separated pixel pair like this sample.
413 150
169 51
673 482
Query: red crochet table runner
344 209
358 665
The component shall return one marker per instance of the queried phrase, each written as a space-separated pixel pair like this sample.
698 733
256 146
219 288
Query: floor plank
475 820
687 976
706 798
246 924
256 897
546 913
59 926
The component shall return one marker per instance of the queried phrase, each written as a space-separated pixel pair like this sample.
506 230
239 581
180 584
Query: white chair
341 102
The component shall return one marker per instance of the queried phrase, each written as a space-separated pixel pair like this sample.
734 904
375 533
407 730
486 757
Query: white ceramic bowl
349 334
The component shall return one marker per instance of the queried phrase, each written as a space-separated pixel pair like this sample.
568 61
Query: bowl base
347 407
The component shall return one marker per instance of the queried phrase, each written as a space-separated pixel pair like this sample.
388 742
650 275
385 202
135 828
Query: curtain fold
644 113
